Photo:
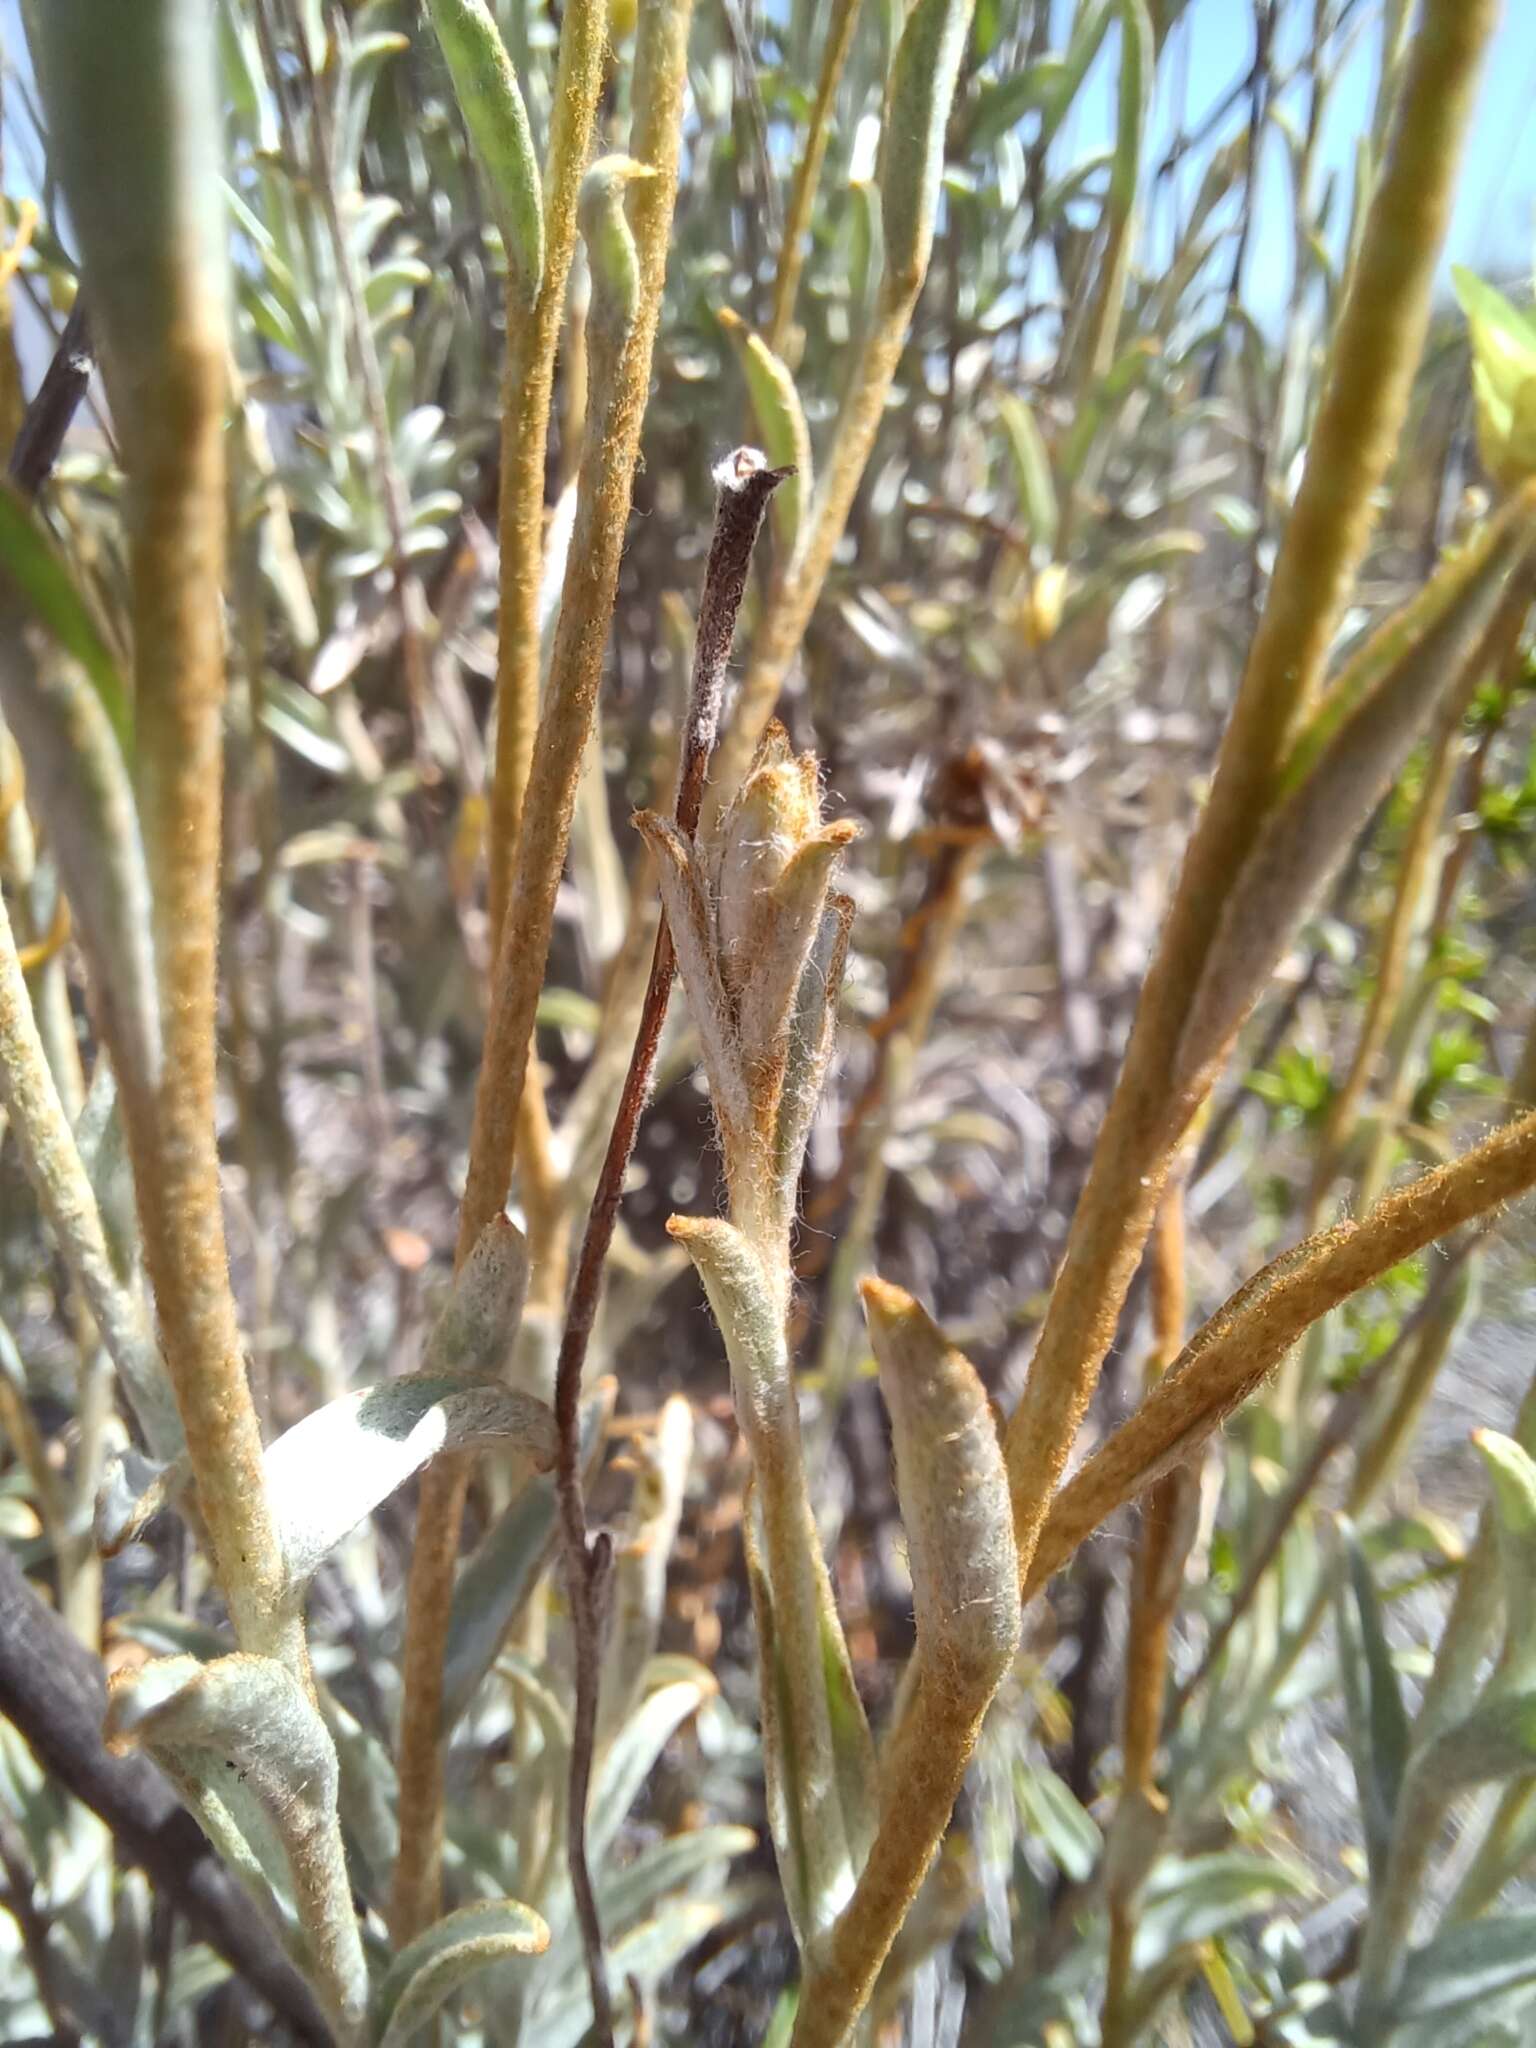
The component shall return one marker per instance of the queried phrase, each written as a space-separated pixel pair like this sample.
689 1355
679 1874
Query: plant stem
744 487
802 194
603 502
533 341
1374 354
1243 1343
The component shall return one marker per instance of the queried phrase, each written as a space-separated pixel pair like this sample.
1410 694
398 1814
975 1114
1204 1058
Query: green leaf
1503 377
429 1970
780 419
1065 1826
922 91
1191 1898
491 102
1031 468
1339 769
1466 1973
1513 1472
473 1337
41 579
1379 1718
500 1576
646 1953
1496 1740
632 1755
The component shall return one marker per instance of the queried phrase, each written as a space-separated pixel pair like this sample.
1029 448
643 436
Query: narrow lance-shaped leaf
491 102
1380 1721
912 144
611 250
954 1497
492 1588
1308 831
428 1971
750 1312
1031 469
640 1567
77 778
953 1490
1513 1473
781 425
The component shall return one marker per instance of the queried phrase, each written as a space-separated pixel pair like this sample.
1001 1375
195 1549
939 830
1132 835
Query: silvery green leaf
430 1969
1067 1829
1496 1740
1466 1975
668 1866
134 1489
1513 1473
1379 1720
367 1795
491 102
493 1586
632 1755
645 1953
332 1469
1191 1898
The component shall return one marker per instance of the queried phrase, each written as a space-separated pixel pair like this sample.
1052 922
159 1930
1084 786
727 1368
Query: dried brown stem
54 404
745 485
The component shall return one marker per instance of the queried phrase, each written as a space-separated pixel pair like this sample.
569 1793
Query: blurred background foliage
1016 679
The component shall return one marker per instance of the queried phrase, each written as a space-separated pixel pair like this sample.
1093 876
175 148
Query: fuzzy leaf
1063 1824
134 1489
1193 1898
430 1969
1497 1740
1503 378
922 90
491 102
1306 834
1460 1975
611 252
1513 1472
812 1030
473 1337
646 1953
333 1468
77 777
953 1492
688 917
640 1566
39 577
781 425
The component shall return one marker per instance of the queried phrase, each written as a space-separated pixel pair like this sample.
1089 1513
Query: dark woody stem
745 484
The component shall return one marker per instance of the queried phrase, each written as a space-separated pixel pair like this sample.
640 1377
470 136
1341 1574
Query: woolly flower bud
745 915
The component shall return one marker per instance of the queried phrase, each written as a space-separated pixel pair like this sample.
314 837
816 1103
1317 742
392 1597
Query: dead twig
745 485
